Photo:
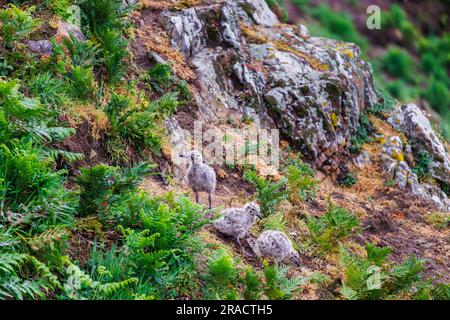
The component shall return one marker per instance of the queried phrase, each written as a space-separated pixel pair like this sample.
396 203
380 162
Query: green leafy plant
339 26
80 285
165 242
102 15
376 278
165 106
362 134
252 284
82 53
22 276
59 7
274 221
160 77
348 180
101 184
336 224
421 169
32 188
269 193
49 89
136 124
385 104
82 82
277 285
221 275
300 182
438 95
113 54
17 24
396 18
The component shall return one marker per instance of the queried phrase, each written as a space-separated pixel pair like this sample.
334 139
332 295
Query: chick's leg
210 200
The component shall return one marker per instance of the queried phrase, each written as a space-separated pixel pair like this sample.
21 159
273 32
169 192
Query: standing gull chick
276 245
237 221
200 176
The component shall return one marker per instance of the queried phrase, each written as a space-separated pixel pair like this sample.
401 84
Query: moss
438 220
92 226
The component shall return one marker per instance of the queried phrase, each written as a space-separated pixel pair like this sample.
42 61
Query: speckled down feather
275 244
235 222
201 177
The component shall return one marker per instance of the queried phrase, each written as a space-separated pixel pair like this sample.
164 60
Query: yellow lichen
349 53
169 4
252 35
158 41
313 62
397 156
334 119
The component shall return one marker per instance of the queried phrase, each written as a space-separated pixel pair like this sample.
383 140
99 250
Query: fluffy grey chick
200 176
236 222
276 245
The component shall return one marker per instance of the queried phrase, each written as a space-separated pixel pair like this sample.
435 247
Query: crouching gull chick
235 222
275 244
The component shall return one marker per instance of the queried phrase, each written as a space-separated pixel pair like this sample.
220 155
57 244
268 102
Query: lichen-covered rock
40 47
395 166
186 30
260 12
410 120
67 29
313 89
397 170
362 160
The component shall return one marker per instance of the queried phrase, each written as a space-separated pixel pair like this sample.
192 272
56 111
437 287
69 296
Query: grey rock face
186 30
398 170
363 159
410 120
312 89
67 29
260 12
317 107
40 47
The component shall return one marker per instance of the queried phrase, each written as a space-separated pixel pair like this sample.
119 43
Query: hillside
99 101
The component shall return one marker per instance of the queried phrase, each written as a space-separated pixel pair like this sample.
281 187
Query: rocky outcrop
410 120
395 166
67 30
313 89
396 160
40 47
260 12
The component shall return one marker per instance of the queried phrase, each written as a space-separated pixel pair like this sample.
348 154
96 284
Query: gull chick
235 222
200 176
275 244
